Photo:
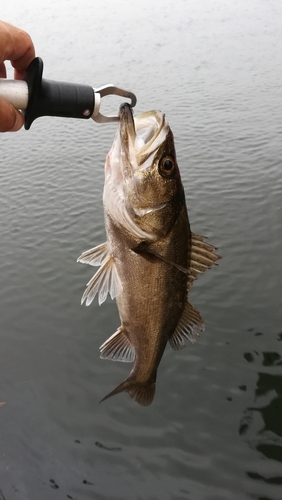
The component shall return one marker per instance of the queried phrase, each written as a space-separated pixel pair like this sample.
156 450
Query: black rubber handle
51 98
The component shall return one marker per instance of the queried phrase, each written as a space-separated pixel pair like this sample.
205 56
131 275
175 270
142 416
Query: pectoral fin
118 347
144 249
105 281
188 328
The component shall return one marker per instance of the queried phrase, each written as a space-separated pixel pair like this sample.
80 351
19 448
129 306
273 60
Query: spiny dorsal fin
105 281
203 257
118 347
189 326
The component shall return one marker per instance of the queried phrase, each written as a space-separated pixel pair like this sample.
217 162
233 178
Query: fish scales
150 258
150 314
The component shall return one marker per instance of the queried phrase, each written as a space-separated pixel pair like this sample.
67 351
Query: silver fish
150 258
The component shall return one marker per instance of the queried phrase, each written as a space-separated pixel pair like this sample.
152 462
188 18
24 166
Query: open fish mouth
142 135
148 128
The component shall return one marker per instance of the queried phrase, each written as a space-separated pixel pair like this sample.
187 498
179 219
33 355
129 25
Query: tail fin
142 393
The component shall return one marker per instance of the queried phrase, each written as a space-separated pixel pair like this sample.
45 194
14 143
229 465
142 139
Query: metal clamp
103 92
36 97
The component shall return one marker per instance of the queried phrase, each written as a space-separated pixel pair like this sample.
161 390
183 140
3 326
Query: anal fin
118 347
188 328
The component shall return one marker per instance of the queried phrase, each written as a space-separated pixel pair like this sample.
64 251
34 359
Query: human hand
17 47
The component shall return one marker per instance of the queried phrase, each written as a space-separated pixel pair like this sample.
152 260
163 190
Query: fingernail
19 121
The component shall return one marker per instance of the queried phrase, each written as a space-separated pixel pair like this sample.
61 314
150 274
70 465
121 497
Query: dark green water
214 431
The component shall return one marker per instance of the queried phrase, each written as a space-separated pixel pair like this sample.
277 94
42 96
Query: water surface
214 430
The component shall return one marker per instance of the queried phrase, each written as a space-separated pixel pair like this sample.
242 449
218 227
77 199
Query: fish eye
167 166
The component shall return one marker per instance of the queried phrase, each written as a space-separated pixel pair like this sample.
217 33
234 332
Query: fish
151 257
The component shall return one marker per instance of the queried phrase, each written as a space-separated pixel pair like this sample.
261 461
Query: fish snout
126 124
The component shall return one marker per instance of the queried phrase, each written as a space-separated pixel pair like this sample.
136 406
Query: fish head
143 189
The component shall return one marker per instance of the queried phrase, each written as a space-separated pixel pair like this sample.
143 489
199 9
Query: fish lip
126 123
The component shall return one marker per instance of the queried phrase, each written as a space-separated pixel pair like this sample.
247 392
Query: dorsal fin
189 326
202 257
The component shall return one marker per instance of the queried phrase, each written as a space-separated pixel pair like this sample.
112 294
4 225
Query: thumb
10 118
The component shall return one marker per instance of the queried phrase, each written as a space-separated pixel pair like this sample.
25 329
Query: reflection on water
262 423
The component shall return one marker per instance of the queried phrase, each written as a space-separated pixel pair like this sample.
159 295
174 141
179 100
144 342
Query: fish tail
143 393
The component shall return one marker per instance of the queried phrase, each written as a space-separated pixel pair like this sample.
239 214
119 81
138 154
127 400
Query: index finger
16 46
